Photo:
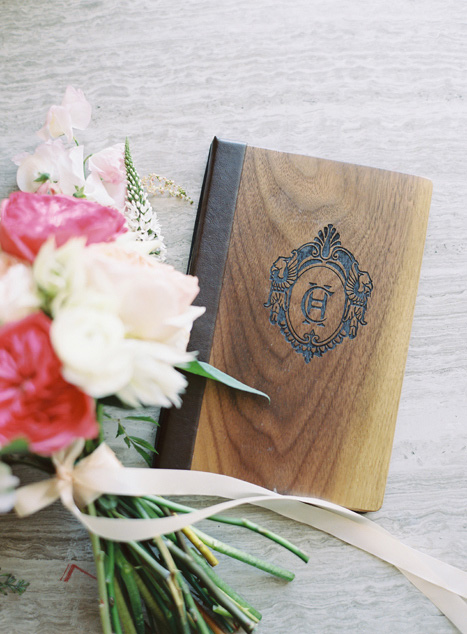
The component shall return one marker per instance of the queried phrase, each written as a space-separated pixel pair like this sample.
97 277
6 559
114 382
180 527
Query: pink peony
36 403
27 220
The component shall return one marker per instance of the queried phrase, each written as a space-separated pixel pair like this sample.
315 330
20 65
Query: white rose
91 345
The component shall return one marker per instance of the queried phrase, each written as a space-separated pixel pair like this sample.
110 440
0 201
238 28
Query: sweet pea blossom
7 484
36 403
28 220
52 168
106 183
74 112
18 293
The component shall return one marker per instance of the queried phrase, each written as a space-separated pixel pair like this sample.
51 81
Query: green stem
100 419
123 611
195 615
235 553
237 613
126 575
109 578
222 585
173 583
151 603
244 523
99 557
159 593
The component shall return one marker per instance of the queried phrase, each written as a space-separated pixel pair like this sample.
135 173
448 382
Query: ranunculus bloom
27 220
74 112
36 403
62 165
18 294
90 343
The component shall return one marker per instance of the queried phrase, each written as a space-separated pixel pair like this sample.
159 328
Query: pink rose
27 220
36 403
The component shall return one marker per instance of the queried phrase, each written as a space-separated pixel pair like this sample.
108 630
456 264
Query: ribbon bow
101 472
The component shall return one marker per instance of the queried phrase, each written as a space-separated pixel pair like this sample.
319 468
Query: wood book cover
308 269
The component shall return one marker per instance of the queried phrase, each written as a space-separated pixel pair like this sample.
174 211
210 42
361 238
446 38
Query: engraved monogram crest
318 295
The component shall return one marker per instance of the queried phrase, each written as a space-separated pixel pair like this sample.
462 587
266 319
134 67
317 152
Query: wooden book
309 271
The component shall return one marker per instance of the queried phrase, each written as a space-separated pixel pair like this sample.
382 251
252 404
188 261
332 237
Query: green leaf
144 454
42 178
79 192
20 445
204 369
142 443
147 419
120 431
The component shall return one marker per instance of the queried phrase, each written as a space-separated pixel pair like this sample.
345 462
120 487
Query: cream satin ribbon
101 472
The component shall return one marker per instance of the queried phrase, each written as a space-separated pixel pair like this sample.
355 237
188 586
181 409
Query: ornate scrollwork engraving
318 295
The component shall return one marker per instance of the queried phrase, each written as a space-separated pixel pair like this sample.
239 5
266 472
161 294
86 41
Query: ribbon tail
450 604
34 497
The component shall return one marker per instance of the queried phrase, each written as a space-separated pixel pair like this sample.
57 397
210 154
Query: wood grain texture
329 427
379 84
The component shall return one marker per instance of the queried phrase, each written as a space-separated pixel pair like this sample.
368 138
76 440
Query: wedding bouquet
89 310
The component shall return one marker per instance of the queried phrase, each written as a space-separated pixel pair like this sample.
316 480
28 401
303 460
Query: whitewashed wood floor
376 83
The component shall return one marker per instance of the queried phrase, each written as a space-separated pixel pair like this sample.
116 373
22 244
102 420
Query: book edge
177 431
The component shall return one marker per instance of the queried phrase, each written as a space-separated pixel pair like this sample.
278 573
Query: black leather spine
176 436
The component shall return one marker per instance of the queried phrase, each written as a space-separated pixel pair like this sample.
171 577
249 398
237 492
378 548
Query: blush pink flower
36 403
106 183
109 164
28 220
53 168
74 112
153 299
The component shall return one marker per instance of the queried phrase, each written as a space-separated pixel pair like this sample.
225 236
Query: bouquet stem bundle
167 585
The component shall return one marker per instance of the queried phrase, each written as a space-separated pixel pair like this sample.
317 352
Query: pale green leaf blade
202 368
